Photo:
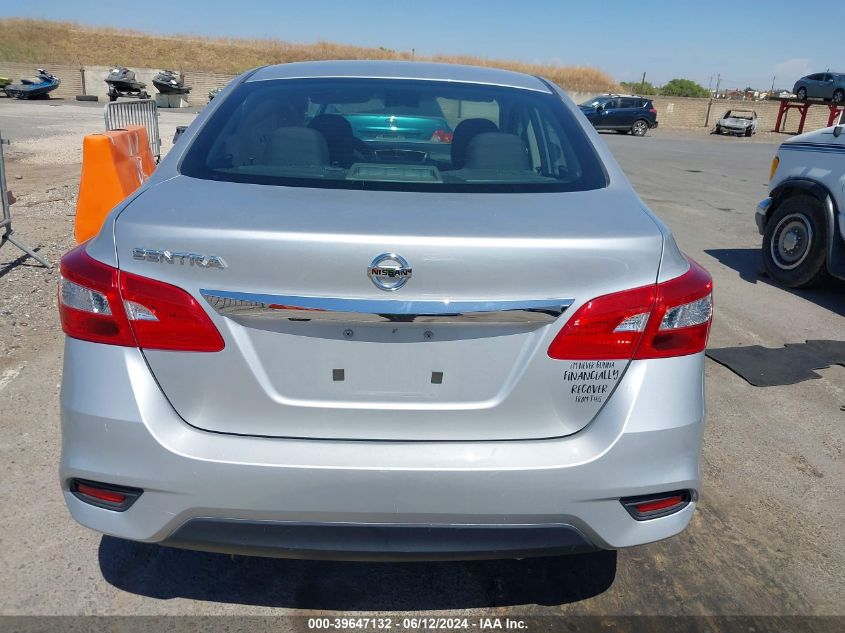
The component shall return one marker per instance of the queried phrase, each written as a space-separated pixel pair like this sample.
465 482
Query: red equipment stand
787 104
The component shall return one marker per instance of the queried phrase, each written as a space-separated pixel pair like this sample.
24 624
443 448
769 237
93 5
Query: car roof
613 94
378 69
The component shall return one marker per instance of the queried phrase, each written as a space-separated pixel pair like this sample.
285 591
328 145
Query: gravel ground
766 539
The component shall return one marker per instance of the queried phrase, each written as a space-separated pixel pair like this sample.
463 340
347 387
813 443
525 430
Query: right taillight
102 304
667 319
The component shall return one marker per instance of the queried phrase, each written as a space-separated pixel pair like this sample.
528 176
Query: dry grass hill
42 42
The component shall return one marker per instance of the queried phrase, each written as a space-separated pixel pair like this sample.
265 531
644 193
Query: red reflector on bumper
107 496
657 505
98 493
661 504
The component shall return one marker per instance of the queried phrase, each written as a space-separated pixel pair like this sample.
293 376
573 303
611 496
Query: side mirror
837 131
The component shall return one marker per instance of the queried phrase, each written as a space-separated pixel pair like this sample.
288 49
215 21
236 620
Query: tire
748 132
838 95
640 127
112 96
795 242
718 129
801 94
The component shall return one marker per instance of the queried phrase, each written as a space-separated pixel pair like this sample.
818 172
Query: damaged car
738 122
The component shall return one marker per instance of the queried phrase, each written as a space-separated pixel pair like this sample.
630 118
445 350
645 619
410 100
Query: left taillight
102 304
90 306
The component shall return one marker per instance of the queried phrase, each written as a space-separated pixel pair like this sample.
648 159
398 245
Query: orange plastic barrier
114 164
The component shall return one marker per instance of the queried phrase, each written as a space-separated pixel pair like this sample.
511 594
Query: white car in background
803 219
739 122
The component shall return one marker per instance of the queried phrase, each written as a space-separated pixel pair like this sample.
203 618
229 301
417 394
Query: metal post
6 223
710 103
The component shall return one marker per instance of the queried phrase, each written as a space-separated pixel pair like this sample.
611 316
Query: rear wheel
801 94
795 242
640 127
838 95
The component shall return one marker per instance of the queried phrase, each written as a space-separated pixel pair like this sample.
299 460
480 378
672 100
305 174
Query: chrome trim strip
278 307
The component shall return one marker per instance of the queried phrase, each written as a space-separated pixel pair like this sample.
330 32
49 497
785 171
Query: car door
814 85
632 109
826 86
610 114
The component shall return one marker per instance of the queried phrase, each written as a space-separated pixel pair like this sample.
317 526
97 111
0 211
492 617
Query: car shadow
748 262
162 572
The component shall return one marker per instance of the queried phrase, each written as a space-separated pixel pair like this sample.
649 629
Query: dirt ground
765 541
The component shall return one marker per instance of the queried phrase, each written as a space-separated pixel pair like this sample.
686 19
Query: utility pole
773 85
710 103
642 84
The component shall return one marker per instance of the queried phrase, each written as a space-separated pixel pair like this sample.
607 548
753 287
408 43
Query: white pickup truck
803 219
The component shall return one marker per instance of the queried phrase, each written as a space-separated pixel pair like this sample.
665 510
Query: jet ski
38 88
122 83
168 82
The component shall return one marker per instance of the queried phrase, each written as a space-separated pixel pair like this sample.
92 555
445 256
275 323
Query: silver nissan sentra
384 310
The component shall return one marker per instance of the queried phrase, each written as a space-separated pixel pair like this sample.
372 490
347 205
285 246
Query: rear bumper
390 542
368 500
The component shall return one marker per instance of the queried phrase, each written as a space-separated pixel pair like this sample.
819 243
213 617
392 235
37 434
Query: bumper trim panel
368 542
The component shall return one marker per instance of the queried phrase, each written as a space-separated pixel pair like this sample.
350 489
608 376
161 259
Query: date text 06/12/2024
416 623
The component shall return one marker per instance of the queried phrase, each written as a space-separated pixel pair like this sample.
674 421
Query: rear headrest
497 150
338 134
331 125
465 131
296 146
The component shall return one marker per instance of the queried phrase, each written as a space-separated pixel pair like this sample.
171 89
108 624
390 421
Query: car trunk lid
314 349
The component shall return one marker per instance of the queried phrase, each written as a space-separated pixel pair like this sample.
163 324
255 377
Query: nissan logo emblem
389 271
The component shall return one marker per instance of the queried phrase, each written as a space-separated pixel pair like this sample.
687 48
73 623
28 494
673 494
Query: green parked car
394 126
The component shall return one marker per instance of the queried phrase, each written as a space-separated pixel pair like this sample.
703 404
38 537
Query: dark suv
623 113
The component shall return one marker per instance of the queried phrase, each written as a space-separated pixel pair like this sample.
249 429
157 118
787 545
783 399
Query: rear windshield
394 135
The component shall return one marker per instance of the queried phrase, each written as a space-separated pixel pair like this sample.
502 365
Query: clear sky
746 41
